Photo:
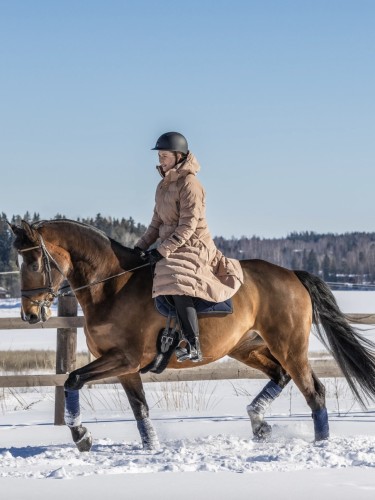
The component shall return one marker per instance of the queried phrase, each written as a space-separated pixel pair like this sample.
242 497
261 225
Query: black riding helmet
172 141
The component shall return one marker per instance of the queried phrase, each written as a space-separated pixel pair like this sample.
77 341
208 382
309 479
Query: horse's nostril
33 318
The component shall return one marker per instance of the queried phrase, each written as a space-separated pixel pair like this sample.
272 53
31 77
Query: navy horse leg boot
189 323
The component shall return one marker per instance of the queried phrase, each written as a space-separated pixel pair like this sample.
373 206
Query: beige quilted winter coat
192 264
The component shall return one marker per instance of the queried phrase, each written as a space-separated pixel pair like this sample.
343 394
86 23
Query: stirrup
189 352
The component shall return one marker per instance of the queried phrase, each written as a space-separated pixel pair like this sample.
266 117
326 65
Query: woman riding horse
187 262
268 330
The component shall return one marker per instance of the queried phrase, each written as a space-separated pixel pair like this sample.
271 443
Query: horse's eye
34 266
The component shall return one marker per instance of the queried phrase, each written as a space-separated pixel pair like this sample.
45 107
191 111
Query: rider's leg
189 322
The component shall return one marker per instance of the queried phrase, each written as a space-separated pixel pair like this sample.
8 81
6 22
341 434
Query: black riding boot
189 323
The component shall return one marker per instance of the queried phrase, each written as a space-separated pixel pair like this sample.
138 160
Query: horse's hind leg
134 390
319 413
314 393
292 353
259 357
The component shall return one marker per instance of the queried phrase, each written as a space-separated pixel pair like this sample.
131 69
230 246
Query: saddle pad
165 307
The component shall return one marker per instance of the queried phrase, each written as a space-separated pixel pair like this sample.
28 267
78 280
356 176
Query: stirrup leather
169 335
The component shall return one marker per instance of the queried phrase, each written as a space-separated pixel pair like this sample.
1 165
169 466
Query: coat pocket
229 272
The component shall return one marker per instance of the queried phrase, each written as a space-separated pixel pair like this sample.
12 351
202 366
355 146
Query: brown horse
268 330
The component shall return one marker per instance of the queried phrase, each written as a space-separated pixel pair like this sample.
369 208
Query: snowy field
205 435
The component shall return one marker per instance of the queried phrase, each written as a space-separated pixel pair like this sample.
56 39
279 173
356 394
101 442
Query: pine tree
326 266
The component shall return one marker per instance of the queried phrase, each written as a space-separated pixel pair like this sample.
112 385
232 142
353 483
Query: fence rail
67 323
53 323
323 366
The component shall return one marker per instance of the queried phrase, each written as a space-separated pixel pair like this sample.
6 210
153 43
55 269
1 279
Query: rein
47 259
63 294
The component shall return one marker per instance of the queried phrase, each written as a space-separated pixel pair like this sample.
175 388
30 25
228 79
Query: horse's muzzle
32 318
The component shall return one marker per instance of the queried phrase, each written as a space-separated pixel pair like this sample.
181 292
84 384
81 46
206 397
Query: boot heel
195 355
195 351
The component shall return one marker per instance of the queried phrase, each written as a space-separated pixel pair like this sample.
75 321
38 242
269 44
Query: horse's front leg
134 390
258 407
111 364
81 436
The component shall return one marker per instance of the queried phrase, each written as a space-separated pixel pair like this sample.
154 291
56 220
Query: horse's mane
92 229
41 223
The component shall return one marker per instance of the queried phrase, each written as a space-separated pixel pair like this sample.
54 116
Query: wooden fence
67 323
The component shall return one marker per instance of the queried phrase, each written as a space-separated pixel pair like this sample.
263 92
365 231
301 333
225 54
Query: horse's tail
354 354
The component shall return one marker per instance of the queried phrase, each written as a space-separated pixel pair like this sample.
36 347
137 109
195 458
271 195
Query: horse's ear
16 230
31 233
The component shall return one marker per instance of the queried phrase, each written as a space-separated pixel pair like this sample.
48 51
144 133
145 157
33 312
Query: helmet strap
176 158
183 157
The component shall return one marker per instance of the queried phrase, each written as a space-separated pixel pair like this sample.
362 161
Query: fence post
66 349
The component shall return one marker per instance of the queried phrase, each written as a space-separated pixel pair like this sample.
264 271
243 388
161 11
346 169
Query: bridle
47 270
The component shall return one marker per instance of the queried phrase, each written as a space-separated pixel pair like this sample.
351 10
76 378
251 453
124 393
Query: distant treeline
343 258
348 257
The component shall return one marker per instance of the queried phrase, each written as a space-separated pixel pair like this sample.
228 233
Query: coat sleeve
191 208
151 234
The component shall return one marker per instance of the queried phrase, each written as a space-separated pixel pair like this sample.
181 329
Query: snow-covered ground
206 447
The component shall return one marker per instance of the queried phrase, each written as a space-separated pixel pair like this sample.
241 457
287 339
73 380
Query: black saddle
165 306
170 336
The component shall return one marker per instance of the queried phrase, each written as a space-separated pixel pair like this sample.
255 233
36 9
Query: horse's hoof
82 438
153 445
148 435
85 443
263 433
321 438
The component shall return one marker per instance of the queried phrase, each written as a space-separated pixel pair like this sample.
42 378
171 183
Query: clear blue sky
276 98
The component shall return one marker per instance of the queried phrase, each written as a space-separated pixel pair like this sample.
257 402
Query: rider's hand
139 251
153 256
